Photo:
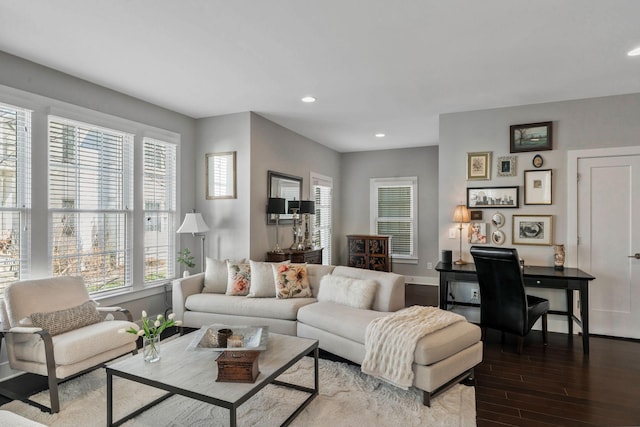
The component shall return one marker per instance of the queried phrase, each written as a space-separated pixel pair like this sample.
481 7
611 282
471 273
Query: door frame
573 156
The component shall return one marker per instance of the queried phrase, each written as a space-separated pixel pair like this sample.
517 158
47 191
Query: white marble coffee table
193 374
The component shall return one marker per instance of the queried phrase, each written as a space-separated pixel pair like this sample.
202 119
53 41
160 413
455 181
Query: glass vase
151 348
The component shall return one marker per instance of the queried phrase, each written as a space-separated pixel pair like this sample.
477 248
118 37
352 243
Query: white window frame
412 182
22 207
318 180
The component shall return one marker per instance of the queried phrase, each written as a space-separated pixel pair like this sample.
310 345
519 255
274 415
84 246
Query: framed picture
475 215
478 166
477 233
221 175
506 166
537 187
531 137
532 230
493 197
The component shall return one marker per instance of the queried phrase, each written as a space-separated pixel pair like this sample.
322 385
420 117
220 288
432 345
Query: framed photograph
531 137
475 215
532 230
493 197
479 166
221 175
506 166
477 233
537 187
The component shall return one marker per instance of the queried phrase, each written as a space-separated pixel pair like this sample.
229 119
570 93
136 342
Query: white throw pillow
215 276
356 293
263 284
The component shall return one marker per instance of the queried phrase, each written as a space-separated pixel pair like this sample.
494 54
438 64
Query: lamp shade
307 207
293 204
461 214
276 205
193 223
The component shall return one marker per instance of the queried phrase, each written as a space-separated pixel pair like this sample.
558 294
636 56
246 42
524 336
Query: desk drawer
538 282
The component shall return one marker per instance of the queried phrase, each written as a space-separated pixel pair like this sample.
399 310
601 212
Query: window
321 188
90 200
15 194
159 209
394 213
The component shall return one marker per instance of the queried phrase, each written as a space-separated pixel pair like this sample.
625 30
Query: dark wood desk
569 279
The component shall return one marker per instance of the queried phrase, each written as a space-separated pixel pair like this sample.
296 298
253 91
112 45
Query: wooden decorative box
238 366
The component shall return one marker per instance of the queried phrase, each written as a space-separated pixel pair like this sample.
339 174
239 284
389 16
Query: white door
609 236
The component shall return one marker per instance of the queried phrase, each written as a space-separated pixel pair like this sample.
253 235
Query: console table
310 256
569 279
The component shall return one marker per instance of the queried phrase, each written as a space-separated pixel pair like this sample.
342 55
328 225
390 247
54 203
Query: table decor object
238 366
150 333
247 338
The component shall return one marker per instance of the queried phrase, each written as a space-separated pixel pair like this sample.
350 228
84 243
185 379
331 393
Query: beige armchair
53 328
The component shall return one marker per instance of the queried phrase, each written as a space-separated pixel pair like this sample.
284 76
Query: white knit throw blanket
390 341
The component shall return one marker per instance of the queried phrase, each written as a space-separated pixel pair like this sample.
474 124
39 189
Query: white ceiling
374 65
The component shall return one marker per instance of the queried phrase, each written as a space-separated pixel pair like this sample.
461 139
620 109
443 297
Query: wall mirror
221 175
288 187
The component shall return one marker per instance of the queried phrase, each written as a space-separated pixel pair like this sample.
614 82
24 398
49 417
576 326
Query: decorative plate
497 237
497 219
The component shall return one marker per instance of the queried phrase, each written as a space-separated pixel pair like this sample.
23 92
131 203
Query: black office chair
504 305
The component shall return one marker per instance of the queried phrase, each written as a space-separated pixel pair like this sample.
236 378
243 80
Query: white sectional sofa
441 358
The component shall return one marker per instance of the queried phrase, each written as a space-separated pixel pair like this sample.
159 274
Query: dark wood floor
558 385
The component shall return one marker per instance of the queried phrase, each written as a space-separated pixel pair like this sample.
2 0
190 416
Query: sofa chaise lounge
441 358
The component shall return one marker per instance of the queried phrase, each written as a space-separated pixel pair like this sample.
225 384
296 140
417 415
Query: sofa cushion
60 321
263 284
239 279
215 276
286 309
356 293
339 319
291 281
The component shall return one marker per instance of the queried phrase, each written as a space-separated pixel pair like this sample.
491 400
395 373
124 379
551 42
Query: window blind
159 195
90 200
395 213
15 194
321 188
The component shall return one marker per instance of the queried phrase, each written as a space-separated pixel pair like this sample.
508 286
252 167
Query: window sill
396 260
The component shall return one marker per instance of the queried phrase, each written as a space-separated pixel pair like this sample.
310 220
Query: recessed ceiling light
634 52
380 135
309 99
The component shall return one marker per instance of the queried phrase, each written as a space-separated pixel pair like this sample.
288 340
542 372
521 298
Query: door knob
636 255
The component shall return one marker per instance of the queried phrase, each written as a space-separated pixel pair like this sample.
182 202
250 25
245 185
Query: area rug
347 398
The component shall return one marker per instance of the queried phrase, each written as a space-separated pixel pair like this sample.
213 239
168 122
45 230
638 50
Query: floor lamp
276 206
461 215
194 224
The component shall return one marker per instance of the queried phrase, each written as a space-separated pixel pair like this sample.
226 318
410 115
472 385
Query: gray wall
357 170
581 124
276 148
228 219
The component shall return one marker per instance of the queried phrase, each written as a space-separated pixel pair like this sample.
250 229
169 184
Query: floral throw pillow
239 279
292 281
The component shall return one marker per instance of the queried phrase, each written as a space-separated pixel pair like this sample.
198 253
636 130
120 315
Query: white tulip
144 314
178 322
140 332
172 316
159 317
157 323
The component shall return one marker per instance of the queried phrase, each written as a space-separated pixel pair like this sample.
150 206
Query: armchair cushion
77 345
60 321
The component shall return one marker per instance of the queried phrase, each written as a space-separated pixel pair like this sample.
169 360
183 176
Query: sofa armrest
126 313
181 289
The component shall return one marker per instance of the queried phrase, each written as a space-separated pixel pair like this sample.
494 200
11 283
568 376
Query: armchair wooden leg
544 328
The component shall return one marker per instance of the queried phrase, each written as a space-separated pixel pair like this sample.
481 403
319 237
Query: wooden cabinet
310 256
370 252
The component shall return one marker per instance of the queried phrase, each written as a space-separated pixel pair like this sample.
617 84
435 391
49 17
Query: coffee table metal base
233 407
